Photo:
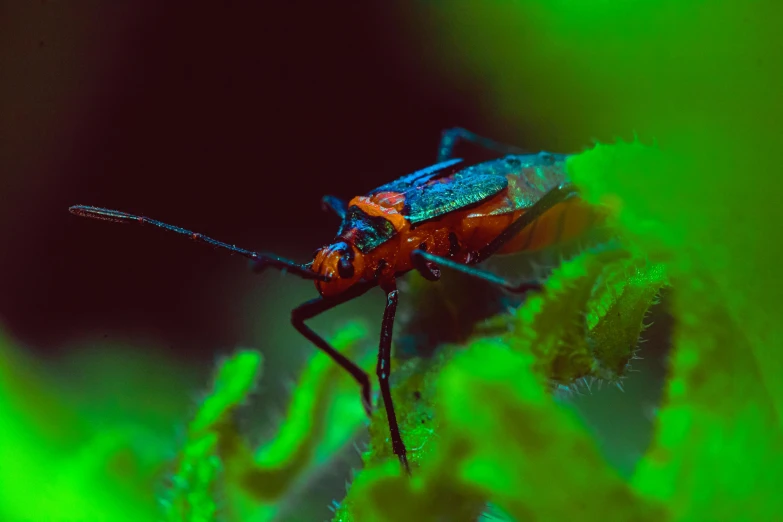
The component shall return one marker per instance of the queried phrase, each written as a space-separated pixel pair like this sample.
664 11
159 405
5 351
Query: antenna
260 260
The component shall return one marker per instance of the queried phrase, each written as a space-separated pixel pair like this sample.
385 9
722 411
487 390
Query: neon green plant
481 421
220 476
58 462
65 458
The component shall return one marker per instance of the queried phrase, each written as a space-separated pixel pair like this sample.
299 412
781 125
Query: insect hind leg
451 137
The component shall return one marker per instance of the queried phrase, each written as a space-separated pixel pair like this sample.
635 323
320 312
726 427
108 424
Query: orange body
473 228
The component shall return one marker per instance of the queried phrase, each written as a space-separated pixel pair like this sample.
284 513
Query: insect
451 215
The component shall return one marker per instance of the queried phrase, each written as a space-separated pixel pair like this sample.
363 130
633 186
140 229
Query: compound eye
345 268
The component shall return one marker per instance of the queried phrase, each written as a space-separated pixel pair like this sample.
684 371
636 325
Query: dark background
231 120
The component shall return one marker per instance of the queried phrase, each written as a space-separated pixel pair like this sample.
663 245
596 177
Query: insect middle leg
451 137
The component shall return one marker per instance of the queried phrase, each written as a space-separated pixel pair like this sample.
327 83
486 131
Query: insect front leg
451 137
316 307
383 370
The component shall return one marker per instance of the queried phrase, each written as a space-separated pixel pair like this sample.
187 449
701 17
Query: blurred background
231 120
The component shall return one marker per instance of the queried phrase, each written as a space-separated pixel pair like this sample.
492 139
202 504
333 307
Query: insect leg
335 205
424 261
316 307
383 369
451 137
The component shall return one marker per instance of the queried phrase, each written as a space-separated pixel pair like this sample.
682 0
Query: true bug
453 214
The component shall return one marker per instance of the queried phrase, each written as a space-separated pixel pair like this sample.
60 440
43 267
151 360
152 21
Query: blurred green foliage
67 459
62 463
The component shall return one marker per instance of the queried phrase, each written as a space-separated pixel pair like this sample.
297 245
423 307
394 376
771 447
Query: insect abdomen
563 222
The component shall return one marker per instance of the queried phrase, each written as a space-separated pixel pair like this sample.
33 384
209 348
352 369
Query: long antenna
260 260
